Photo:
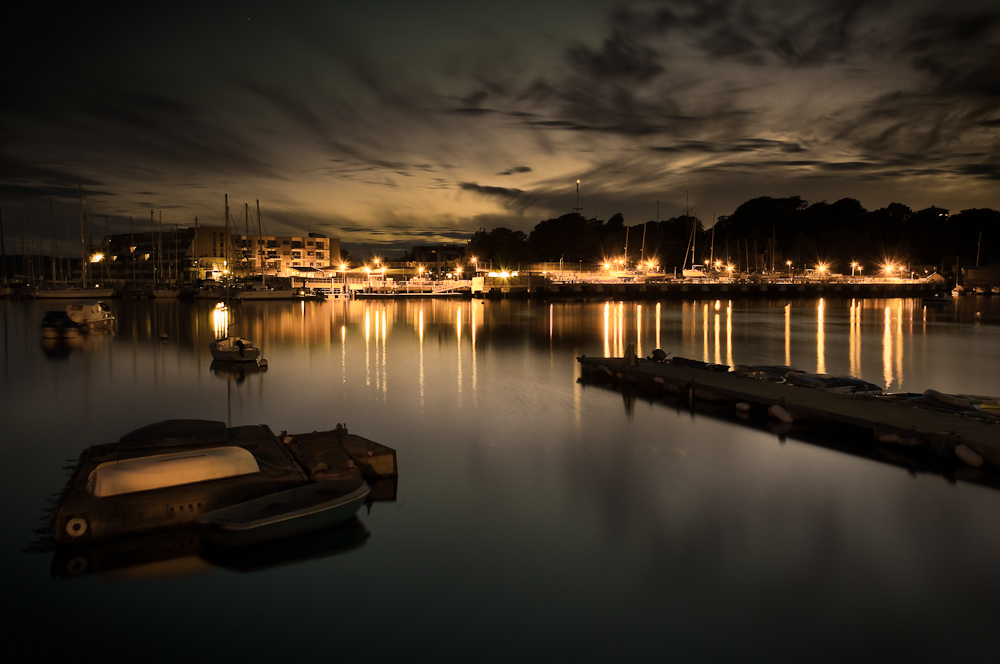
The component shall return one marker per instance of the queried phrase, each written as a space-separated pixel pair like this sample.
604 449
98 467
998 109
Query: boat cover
165 470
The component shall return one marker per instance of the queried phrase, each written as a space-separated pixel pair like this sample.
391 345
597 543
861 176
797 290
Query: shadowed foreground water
537 519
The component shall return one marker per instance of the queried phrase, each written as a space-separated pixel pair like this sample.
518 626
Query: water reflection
235 371
183 552
834 336
60 347
838 339
820 339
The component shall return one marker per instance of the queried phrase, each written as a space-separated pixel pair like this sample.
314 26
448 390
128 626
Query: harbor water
536 518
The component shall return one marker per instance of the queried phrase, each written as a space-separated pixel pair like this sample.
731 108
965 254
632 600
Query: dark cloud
516 170
497 192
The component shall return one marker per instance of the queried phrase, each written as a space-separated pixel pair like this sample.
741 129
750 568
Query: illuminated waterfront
536 518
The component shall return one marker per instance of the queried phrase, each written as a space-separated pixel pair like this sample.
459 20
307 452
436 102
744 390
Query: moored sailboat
231 347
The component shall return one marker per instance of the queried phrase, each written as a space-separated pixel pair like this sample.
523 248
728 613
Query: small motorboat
962 401
286 513
841 383
938 298
90 314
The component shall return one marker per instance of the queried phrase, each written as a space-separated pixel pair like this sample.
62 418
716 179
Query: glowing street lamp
854 266
789 264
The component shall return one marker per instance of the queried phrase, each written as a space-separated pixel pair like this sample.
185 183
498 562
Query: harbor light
97 258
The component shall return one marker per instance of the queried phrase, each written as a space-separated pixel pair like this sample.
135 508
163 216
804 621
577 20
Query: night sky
389 124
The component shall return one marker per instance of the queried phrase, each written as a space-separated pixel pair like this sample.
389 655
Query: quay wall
688 291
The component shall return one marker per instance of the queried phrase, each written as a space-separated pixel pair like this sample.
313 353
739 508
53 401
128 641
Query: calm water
536 519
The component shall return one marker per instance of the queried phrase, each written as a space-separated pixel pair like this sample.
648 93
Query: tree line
761 233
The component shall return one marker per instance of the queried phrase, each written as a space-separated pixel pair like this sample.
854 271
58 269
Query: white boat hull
67 293
166 470
286 513
276 294
90 314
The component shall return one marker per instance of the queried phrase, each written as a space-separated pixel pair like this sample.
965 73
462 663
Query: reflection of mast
3 249
154 243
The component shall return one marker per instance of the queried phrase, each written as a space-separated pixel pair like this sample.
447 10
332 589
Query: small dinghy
159 471
285 513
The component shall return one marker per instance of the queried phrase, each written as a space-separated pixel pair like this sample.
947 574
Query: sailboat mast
225 259
83 239
711 253
260 247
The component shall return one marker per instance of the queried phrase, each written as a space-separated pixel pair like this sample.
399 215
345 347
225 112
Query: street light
854 266
789 264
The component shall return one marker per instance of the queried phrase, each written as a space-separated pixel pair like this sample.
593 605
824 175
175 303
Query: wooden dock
893 423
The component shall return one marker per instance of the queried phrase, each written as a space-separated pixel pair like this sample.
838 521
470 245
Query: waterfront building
187 255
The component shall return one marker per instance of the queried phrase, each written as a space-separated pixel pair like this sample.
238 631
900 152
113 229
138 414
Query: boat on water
210 293
831 382
263 292
233 348
166 292
938 298
165 474
90 314
287 513
70 292
962 401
